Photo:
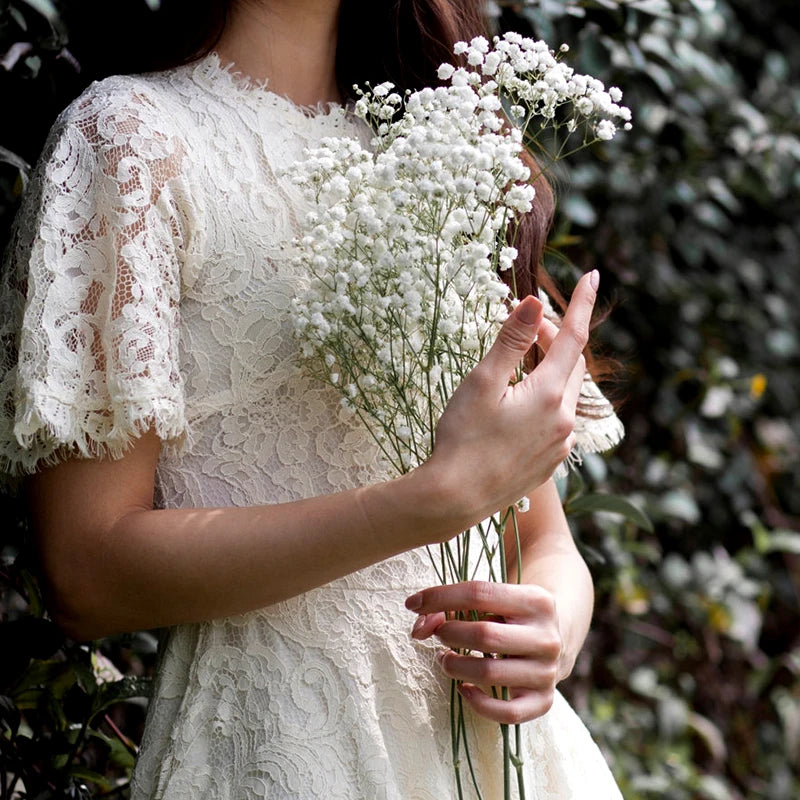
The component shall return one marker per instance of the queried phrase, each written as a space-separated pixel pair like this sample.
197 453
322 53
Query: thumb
514 340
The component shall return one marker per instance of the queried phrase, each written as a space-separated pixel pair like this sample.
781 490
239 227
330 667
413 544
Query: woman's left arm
536 628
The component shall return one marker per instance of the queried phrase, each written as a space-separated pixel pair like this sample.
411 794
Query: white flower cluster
533 82
407 237
405 295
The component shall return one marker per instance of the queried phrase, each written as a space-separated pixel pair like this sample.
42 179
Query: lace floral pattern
150 280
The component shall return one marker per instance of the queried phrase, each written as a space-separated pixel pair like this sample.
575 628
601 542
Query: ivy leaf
122 690
610 503
81 773
9 715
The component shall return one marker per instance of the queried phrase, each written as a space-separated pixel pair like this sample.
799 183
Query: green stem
506 760
518 762
454 738
502 548
463 727
517 543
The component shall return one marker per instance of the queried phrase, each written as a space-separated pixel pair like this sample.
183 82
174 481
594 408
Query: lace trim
224 78
47 429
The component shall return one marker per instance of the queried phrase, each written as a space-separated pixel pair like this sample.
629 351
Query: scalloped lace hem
44 440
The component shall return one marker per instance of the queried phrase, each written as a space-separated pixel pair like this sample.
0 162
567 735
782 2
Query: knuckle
483 670
564 449
548 697
564 424
551 396
579 331
550 673
542 602
514 339
444 663
481 593
551 645
481 379
536 597
490 639
516 715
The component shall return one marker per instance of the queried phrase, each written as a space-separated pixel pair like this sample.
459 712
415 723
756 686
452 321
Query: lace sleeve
89 308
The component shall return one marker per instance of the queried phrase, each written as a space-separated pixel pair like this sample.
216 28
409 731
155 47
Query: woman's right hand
495 441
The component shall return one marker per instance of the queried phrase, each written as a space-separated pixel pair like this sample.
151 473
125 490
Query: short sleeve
597 426
91 287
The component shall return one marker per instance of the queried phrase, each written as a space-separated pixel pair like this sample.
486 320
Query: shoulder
121 137
134 109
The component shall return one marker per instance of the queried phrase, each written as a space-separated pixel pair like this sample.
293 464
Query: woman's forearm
114 571
551 560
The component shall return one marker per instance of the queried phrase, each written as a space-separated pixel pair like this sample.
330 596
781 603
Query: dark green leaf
119 691
590 503
85 774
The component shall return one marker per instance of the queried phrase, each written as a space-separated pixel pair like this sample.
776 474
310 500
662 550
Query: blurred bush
690 677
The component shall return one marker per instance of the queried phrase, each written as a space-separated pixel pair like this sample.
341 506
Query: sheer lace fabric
149 286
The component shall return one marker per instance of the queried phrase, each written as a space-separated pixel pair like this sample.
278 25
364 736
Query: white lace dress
150 280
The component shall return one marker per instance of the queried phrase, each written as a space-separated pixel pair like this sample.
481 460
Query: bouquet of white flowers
405 245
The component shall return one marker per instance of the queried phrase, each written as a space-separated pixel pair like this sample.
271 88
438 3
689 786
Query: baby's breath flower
506 258
605 129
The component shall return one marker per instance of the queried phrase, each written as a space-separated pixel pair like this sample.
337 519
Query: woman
189 475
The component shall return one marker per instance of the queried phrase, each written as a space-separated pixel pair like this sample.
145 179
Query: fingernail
527 312
439 657
464 691
594 279
418 624
414 603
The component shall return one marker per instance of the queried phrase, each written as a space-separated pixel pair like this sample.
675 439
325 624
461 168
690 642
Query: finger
510 672
426 625
527 705
573 334
541 642
485 597
572 391
512 343
546 334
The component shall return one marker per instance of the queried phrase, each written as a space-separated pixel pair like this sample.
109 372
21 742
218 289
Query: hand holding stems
96 526
518 621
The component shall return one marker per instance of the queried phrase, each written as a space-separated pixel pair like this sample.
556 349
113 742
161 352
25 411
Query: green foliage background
690 678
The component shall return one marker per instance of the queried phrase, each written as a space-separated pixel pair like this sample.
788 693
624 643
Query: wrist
426 503
451 502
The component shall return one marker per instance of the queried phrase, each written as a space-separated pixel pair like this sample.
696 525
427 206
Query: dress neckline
225 79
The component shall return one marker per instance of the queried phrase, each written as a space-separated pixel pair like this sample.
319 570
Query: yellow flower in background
758 385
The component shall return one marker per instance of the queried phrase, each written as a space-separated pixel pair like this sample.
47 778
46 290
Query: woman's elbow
72 596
